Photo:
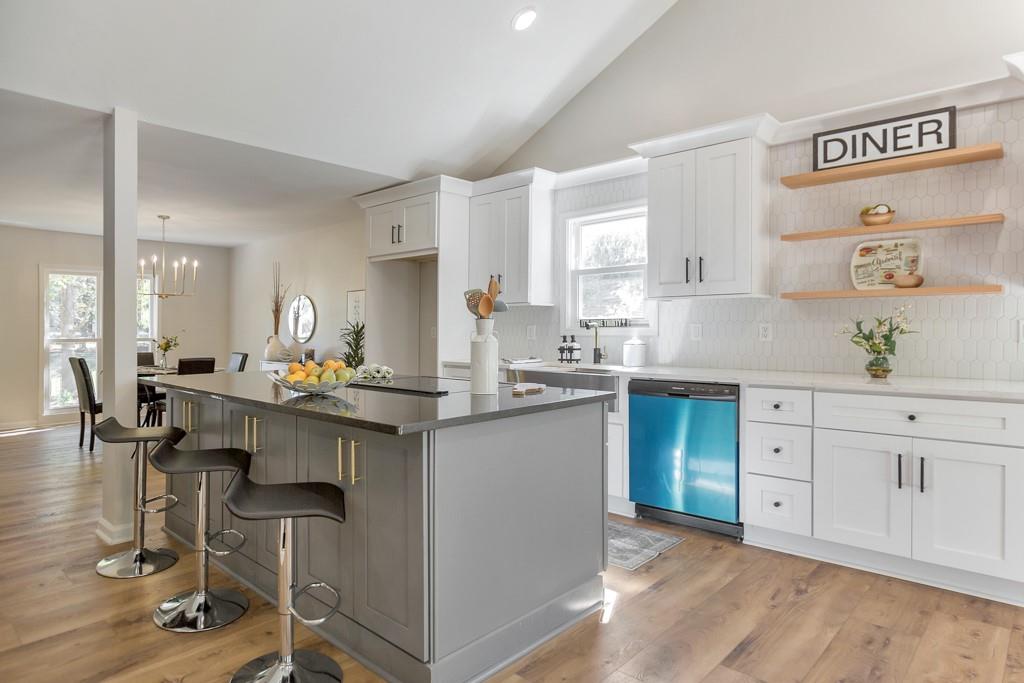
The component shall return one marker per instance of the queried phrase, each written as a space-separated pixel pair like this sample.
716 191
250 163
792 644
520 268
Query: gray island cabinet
475 526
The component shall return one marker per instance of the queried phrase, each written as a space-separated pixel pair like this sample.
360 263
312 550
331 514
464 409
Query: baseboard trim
957 580
621 506
113 534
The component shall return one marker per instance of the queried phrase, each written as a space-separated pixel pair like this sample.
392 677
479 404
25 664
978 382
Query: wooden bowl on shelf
877 218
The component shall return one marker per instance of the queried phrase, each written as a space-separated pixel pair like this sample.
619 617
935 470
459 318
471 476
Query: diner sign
927 131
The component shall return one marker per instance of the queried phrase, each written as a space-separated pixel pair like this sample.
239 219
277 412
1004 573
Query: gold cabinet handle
352 462
191 423
341 460
245 432
255 425
186 416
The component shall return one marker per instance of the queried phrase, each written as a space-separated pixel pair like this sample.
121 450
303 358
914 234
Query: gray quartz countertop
381 411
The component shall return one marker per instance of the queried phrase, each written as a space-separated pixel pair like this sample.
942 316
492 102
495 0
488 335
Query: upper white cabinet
510 236
403 226
707 213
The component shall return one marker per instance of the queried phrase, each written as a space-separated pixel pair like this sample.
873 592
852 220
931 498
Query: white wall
323 263
707 61
200 321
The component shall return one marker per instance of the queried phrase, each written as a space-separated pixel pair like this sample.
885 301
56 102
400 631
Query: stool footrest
321 620
219 535
173 500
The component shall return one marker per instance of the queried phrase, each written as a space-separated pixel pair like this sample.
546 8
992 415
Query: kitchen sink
576 378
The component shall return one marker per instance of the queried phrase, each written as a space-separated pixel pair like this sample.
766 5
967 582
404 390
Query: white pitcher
483 358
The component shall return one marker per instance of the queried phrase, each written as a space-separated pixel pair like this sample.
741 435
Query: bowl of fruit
313 378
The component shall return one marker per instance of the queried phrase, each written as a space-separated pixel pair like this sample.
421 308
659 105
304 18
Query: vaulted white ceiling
399 88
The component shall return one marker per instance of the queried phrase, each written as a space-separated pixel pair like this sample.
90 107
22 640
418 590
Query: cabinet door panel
970 514
324 550
514 216
670 226
382 224
486 240
416 223
857 497
723 224
389 525
182 486
616 460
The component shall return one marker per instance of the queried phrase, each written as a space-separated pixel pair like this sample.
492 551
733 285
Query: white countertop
939 387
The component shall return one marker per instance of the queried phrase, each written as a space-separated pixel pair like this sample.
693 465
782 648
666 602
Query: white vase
276 350
483 358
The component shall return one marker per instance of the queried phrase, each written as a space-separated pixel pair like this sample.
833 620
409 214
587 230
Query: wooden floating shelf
893 227
917 162
894 293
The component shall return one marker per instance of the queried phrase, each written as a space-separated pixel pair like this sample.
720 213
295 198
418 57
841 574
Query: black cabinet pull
922 475
911 417
777 504
400 240
687 269
700 269
392 234
899 470
776 406
776 450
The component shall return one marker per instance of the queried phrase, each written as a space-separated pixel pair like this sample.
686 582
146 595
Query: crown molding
437 183
759 126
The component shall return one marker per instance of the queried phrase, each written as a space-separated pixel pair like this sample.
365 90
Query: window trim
573 222
45 271
154 316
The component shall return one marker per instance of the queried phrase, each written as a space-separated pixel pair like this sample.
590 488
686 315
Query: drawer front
933 418
781 504
778 450
783 406
456 371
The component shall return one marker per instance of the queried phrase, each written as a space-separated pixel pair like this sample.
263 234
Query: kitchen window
607 260
71 305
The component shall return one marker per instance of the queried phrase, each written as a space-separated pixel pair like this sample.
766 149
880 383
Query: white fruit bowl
303 388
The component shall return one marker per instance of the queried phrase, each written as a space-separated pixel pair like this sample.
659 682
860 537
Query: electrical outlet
531 333
765 332
696 331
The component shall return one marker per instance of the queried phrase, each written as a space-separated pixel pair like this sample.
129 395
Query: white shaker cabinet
861 496
510 237
707 224
402 227
968 507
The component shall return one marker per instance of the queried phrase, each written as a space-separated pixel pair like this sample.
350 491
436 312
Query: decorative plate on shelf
882 264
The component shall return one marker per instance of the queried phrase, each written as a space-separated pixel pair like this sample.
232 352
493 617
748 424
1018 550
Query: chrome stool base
306 667
132 563
194 612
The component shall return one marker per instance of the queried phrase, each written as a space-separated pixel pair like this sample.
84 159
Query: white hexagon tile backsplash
959 336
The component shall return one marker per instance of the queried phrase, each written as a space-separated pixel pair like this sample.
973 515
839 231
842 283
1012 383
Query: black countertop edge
392 429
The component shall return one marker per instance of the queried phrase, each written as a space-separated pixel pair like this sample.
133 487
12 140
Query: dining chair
86 400
195 366
145 359
237 361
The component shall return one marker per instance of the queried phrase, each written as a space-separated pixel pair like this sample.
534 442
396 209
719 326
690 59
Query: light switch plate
531 333
696 331
765 332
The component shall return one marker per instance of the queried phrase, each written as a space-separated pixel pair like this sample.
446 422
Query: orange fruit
294 367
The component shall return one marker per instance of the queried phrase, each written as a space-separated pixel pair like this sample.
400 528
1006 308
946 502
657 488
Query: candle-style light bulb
142 267
176 274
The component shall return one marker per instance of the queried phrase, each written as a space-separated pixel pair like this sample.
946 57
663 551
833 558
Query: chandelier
161 287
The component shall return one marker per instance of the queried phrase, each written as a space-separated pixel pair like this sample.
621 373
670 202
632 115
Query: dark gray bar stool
249 500
139 560
204 608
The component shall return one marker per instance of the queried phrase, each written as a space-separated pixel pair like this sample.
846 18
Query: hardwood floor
709 610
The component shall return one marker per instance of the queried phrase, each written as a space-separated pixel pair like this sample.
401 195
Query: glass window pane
61 390
612 295
619 242
71 306
144 308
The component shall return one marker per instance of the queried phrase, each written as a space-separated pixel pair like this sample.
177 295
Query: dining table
157 371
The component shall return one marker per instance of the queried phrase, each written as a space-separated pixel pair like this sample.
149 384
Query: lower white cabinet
860 498
969 507
617 460
781 504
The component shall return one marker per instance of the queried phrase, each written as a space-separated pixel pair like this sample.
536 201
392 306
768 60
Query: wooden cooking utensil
486 306
473 300
493 290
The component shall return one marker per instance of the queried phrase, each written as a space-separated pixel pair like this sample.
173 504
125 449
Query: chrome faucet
599 353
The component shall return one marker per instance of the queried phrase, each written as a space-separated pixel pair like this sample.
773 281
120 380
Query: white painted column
120 254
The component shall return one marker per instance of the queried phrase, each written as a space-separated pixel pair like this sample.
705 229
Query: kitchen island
475 525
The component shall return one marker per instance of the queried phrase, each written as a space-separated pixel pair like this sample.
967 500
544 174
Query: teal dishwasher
684 453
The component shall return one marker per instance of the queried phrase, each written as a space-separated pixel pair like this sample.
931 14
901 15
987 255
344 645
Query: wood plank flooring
709 610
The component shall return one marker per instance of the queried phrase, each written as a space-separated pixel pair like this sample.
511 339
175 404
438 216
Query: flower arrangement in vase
276 350
165 345
879 340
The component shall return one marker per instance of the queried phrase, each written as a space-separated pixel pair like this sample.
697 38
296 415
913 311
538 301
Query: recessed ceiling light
524 19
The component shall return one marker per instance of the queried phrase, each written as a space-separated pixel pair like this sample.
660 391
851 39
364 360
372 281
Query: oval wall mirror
301 318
